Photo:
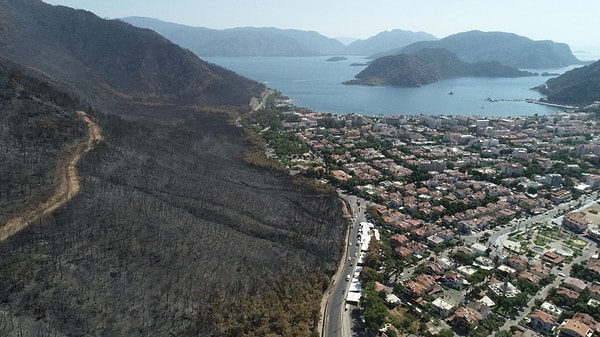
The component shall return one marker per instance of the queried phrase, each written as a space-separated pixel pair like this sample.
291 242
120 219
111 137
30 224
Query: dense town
485 225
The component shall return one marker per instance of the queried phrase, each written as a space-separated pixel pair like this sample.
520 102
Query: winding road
68 185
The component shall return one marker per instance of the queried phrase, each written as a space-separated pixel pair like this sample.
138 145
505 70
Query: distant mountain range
471 47
248 41
428 66
507 48
580 86
251 41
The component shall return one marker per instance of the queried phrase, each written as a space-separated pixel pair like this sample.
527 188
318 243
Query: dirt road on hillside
68 185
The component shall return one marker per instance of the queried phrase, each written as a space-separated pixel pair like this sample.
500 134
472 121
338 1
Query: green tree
445 333
369 275
463 258
504 333
331 123
375 311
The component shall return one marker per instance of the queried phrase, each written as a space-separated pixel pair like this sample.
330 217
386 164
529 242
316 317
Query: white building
441 307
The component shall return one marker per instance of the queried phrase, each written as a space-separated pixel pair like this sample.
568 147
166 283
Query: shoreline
555 105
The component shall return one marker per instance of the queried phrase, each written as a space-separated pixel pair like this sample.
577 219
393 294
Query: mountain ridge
382 41
472 46
242 41
508 48
270 41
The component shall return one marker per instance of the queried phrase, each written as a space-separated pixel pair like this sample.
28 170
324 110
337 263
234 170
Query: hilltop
383 41
428 66
507 48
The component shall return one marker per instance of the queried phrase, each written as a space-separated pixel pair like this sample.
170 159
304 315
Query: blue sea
315 83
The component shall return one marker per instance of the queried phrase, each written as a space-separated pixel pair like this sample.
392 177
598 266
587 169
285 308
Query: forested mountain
384 41
173 232
428 66
580 86
246 41
507 48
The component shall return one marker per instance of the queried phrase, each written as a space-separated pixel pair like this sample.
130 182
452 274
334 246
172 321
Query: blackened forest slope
112 62
37 125
171 224
142 250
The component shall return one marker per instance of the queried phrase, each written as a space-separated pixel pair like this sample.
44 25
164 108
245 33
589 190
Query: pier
530 100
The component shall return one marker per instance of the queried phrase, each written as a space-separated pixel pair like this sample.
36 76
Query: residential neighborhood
485 225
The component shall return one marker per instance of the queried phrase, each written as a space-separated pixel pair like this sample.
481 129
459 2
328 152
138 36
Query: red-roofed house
454 280
542 322
414 289
567 293
403 252
464 317
587 319
398 240
426 280
574 328
517 262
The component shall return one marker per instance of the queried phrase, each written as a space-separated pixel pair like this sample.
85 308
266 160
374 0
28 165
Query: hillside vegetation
580 86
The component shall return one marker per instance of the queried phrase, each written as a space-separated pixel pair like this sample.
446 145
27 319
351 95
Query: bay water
315 83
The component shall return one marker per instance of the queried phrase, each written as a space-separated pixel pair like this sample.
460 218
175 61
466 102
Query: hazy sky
574 22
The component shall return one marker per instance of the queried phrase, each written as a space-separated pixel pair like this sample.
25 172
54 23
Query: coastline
316 84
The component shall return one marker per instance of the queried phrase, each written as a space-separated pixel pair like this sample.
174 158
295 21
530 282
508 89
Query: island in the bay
428 66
